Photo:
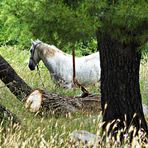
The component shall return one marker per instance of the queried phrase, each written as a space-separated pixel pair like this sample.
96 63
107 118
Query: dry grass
52 131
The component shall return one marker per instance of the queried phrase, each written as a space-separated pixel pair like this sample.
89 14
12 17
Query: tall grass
49 131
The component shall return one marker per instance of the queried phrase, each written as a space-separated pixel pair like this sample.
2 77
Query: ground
48 130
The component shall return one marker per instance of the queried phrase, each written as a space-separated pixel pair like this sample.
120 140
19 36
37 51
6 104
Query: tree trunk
12 80
7 115
120 88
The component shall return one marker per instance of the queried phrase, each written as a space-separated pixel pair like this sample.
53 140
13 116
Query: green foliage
51 21
86 48
67 23
144 49
82 48
13 29
125 20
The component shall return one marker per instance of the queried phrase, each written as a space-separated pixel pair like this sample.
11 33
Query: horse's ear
32 41
38 40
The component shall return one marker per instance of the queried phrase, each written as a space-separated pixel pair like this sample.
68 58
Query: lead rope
75 81
38 71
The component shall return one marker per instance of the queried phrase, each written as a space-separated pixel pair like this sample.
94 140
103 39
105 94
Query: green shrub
54 22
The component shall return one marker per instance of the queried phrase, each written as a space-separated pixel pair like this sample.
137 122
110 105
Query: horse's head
34 58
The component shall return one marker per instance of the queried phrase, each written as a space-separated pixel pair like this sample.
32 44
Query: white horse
60 64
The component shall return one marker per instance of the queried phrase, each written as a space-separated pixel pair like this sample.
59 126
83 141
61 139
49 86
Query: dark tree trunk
5 114
120 88
12 80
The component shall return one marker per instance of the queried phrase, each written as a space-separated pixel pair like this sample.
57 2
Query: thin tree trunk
12 80
5 114
120 88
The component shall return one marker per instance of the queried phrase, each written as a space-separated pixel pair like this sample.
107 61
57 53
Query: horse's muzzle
31 65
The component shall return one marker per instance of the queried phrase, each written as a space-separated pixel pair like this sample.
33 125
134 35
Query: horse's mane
54 47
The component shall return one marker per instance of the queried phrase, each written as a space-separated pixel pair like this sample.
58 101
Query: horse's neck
59 59
56 61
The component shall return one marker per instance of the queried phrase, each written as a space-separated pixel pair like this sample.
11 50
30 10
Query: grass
144 79
48 131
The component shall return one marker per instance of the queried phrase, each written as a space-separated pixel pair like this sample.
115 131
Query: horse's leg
60 82
68 85
64 84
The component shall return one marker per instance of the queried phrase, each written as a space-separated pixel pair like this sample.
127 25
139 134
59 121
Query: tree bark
5 114
54 103
120 88
62 104
12 80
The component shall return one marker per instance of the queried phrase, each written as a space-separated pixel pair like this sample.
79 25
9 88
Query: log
39 100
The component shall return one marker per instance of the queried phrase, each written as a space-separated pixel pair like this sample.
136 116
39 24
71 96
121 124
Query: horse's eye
31 50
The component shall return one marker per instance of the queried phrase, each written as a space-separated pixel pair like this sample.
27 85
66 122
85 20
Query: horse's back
88 69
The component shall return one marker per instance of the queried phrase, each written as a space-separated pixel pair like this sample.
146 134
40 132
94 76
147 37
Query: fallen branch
12 80
39 100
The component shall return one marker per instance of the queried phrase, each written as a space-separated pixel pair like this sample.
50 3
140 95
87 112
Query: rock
145 110
83 138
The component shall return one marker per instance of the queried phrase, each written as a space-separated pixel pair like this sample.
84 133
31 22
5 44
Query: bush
55 22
